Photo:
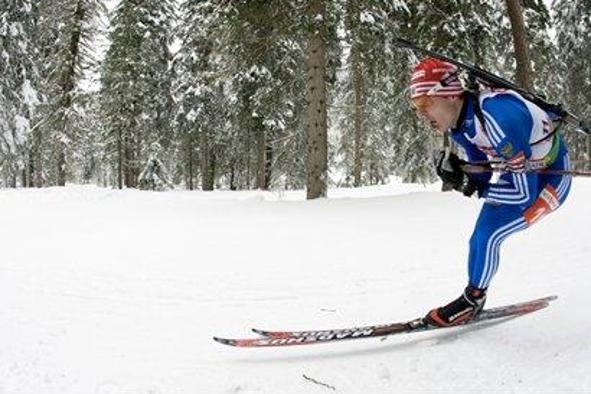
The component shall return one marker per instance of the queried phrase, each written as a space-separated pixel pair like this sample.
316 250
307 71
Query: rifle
482 168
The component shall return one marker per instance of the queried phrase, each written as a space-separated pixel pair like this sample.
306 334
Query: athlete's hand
449 168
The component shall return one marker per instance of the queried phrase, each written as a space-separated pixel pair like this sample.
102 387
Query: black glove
449 168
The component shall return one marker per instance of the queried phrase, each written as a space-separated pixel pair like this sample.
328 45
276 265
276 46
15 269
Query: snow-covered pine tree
136 79
267 59
86 161
202 91
154 176
18 89
572 23
256 53
361 115
192 33
66 31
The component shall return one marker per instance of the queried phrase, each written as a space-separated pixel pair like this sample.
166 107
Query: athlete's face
440 112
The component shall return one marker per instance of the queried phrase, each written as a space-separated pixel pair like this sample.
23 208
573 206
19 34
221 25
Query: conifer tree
267 57
201 91
362 113
65 33
19 84
136 82
573 28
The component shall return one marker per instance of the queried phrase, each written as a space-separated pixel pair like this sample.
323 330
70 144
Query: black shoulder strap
475 97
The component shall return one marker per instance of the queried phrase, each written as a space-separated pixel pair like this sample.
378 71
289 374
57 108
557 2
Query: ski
293 338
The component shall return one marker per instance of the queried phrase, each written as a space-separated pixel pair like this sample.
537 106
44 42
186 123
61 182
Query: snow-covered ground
119 292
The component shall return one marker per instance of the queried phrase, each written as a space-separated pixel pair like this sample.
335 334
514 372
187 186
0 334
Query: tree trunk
264 159
260 143
233 175
317 124
359 135
373 178
520 44
126 163
210 174
248 159
207 164
13 179
249 126
67 84
268 164
190 160
128 150
135 168
119 158
36 158
61 164
31 169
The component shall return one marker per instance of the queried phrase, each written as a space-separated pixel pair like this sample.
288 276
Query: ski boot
459 311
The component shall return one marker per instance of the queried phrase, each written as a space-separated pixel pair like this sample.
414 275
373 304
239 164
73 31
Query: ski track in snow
120 292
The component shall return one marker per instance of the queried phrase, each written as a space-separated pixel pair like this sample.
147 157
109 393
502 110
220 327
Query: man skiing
495 125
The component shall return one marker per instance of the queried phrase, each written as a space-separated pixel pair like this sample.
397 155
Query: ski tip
552 298
224 341
244 342
545 301
273 334
537 305
259 332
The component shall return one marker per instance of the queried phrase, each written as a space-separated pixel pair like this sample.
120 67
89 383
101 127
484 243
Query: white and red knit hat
433 77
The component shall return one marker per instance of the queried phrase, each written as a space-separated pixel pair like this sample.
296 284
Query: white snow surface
120 292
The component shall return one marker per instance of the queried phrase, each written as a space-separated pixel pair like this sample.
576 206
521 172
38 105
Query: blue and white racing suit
518 132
